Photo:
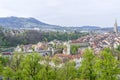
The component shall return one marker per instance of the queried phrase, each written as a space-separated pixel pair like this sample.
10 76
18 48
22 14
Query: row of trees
34 67
32 36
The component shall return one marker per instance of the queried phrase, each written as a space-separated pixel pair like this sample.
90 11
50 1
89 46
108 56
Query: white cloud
64 12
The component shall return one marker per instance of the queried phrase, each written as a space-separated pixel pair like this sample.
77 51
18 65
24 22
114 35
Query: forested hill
14 37
26 23
20 22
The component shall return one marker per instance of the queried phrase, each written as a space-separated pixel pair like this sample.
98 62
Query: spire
116 27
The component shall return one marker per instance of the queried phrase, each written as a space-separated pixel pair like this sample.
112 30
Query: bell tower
116 27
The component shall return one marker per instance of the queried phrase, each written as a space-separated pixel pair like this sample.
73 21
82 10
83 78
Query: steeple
115 27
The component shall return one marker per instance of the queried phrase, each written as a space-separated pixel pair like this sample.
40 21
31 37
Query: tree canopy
103 66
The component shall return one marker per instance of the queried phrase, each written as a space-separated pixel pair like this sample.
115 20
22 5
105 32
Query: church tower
116 27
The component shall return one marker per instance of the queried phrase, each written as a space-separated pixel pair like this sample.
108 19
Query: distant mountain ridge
20 22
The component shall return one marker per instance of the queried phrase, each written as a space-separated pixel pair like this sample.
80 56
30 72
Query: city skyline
65 12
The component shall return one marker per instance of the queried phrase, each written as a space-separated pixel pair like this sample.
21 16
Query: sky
65 12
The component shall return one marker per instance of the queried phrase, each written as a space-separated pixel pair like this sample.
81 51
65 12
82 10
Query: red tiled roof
68 56
7 53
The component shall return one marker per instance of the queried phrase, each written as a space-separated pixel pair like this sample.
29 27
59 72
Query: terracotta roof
7 53
68 56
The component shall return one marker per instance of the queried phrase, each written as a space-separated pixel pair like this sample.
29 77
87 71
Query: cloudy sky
65 12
